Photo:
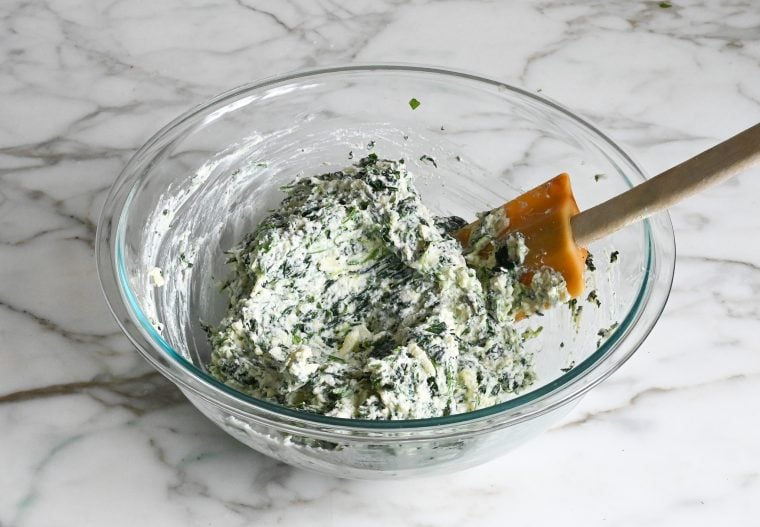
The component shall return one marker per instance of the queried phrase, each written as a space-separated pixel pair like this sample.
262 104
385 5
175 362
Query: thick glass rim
556 393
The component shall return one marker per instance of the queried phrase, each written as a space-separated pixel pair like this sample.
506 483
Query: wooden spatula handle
710 167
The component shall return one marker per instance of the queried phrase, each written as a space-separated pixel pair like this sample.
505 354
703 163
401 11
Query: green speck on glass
414 103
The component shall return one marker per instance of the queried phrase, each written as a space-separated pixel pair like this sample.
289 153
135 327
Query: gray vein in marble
71 388
32 492
727 261
59 207
48 325
273 17
648 393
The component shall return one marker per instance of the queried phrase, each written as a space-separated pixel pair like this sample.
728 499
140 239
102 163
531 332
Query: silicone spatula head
554 228
542 215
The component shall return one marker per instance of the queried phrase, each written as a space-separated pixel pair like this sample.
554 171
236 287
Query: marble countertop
92 436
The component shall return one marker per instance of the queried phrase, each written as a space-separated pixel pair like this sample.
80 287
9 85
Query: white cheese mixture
353 300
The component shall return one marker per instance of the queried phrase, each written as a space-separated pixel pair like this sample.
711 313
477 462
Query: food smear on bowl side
353 300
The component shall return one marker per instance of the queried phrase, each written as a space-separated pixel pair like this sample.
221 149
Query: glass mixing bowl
210 176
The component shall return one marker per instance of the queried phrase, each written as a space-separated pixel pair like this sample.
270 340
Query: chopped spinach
429 159
590 262
593 298
568 368
353 300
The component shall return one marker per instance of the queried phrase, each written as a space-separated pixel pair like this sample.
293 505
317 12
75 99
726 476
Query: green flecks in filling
353 300
184 260
605 333
429 159
590 262
568 367
576 311
593 298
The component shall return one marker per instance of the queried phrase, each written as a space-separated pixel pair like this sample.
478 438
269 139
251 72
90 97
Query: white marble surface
91 436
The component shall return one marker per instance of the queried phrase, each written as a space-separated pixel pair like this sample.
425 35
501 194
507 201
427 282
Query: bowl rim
554 394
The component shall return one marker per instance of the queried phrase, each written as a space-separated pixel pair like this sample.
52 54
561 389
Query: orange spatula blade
543 215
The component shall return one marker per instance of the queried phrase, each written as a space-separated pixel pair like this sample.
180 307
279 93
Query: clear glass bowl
210 176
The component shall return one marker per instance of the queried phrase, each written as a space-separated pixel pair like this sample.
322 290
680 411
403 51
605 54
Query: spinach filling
353 300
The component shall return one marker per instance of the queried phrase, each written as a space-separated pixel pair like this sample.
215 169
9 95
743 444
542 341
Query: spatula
556 232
